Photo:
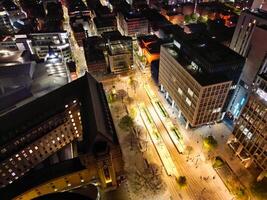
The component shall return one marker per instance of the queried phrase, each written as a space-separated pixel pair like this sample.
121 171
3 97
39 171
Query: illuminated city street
133 100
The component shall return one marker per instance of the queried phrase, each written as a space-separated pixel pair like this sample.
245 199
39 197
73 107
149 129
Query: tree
187 19
133 83
182 182
126 122
210 143
121 94
194 17
188 150
259 189
218 162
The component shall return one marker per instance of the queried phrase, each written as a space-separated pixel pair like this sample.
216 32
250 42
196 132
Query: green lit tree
210 143
259 189
182 182
126 123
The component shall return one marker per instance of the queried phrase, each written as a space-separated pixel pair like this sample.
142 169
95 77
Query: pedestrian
213 177
200 177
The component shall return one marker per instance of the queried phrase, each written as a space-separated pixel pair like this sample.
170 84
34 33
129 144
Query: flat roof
37 177
104 22
213 55
114 36
96 121
201 77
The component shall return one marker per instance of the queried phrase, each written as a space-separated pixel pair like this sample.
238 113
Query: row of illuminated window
46 145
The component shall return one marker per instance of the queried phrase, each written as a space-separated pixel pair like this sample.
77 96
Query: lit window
19 158
74 101
62 135
66 106
190 92
58 138
13 174
78 135
69 184
17 155
75 127
55 189
79 113
69 112
36 148
82 180
70 116
3 174
30 151
16 177
73 124
10 182
180 91
72 120
10 170
188 101
76 131
53 141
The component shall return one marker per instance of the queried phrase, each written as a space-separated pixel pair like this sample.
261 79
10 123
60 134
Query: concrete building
131 23
94 54
249 134
41 42
67 134
6 27
197 76
119 51
249 41
104 25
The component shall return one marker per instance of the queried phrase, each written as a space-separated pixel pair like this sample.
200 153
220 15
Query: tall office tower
58 142
249 41
6 27
249 137
197 76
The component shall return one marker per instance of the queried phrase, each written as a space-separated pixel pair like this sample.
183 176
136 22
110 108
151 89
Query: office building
132 23
250 131
197 75
6 27
94 48
58 41
119 51
59 141
249 41
104 25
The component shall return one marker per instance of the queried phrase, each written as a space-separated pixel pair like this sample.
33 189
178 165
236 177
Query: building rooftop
258 13
94 47
202 77
96 118
41 176
103 22
214 56
77 6
114 36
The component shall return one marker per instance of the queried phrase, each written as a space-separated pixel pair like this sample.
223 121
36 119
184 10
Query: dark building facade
249 134
72 122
